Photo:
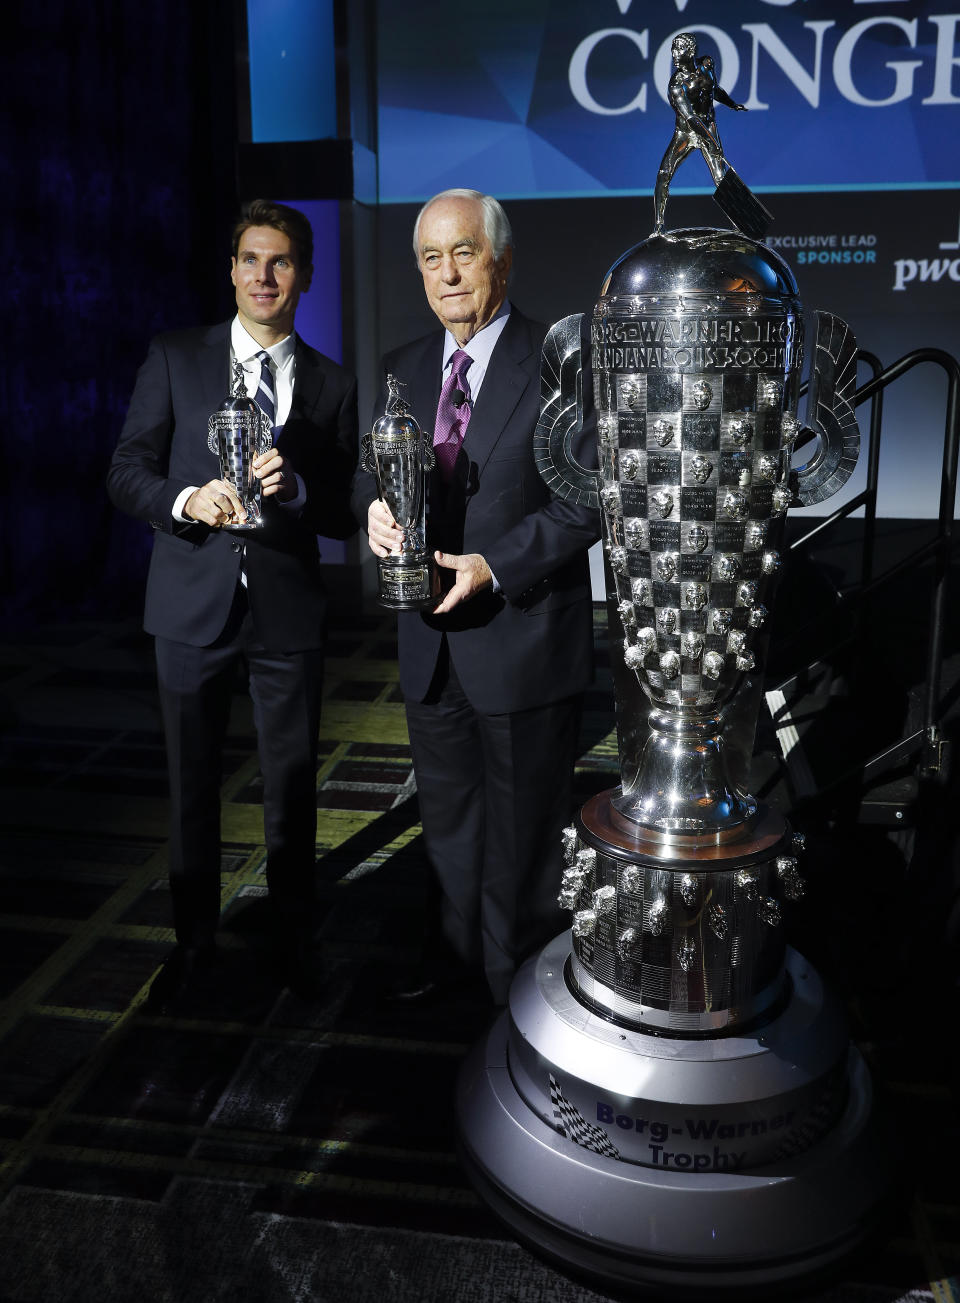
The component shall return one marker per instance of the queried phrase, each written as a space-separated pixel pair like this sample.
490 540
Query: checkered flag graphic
572 1124
821 1116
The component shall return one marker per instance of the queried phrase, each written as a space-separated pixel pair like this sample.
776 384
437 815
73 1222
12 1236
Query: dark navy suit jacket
163 449
530 644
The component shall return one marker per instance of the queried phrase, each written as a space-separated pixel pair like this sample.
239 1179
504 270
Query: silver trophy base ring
247 527
407 582
698 1234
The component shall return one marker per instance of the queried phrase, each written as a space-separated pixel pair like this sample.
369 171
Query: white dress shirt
244 349
479 350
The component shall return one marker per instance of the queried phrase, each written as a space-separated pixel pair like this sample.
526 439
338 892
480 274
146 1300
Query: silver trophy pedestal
695 1217
408 581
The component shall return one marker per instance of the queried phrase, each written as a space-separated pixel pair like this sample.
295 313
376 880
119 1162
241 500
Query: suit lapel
418 372
511 369
421 380
214 364
308 381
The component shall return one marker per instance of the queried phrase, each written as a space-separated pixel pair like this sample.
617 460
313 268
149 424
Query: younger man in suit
217 597
493 679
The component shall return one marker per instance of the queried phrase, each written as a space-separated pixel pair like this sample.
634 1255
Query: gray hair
496 225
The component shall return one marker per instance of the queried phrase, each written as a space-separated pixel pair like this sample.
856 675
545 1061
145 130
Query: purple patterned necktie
453 414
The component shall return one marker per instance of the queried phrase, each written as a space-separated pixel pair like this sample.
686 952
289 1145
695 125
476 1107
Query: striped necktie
265 397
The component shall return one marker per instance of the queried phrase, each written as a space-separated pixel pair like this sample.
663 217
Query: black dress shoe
416 990
177 982
297 961
429 985
304 976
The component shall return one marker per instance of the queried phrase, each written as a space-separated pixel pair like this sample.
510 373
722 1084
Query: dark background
118 171
120 168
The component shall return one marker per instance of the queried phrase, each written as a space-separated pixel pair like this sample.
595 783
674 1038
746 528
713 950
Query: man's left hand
471 576
275 475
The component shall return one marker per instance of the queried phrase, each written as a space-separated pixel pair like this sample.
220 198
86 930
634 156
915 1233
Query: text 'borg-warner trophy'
238 432
672 1096
397 454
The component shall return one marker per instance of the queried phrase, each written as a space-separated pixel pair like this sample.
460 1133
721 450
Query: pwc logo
919 270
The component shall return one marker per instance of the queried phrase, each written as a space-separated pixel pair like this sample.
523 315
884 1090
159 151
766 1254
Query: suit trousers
196 686
494 793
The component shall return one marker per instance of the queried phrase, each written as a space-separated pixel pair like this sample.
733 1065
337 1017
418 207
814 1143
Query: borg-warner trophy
237 433
672 1097
398 455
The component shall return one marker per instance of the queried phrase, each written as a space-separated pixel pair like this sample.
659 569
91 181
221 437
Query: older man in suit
493 678
218 596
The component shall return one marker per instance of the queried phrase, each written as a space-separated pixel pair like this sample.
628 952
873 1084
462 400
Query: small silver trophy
397 453
237 433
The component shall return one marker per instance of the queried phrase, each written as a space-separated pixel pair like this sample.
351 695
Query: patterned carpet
268 1149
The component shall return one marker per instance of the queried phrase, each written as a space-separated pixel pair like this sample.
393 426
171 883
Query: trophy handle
368 461
213 439
428 458
830 409
561 416
266 433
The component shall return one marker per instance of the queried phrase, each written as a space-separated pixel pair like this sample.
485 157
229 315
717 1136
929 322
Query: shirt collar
245 346
481 346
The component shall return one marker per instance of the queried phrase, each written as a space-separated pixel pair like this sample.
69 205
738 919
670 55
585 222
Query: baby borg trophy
672 1098
238 432
398 456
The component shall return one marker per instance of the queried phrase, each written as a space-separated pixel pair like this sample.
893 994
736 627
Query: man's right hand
215 504
383 532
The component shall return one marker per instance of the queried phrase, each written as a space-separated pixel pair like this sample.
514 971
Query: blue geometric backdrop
554 98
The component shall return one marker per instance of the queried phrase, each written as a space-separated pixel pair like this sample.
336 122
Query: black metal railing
928 739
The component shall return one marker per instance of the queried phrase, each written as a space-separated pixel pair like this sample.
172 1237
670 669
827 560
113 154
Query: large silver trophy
672 1098
237 433
398 455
